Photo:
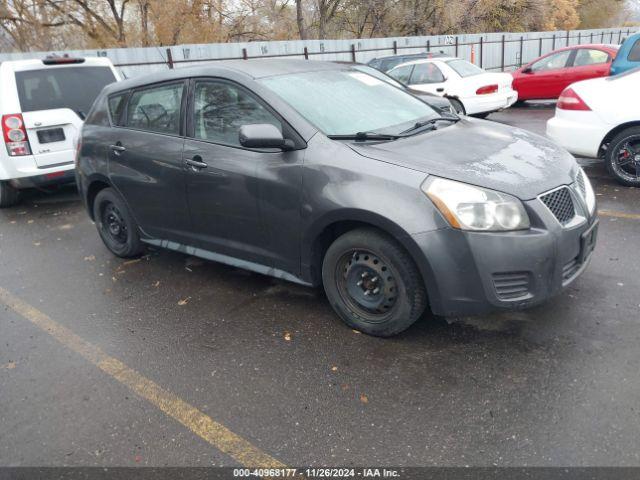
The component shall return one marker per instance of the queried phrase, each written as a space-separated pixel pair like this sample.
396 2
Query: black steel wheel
623 157
372 283
116 225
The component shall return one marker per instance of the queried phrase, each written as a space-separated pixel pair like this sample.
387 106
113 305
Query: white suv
42 107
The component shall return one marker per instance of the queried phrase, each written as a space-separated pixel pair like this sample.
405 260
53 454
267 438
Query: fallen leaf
66 226
363 398
30 221
334 369
157 284
9 366
287 336
130 262
356 331
37 244
90 258
184 301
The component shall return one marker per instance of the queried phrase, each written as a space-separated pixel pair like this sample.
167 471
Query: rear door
145 159
588 63
54 101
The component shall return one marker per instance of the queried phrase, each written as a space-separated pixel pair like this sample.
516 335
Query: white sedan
470 89
600 118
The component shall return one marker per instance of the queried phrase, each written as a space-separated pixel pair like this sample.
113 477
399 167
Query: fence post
353 53
428 46
601 37
456 46
244 54
503 45
481 50
579 38
306 53
553 44
611 41
567 38
169 58
540 47
395 47
521 44
591 38
620 37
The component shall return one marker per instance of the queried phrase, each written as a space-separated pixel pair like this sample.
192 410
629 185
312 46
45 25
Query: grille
512 285
570 269
582 188
561 204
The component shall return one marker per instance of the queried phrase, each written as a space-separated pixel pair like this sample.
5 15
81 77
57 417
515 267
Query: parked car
384 64
628 56
43 104
600 118
320 174
470 89
436 101
546 77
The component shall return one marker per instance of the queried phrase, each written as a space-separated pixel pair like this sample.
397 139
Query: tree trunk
300 20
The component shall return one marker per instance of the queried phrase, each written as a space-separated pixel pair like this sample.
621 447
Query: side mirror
527 70
263 135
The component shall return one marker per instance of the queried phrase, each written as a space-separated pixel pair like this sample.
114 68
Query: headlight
589 194
468 207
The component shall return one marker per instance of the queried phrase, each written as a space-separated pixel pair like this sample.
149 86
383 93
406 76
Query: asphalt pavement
172 360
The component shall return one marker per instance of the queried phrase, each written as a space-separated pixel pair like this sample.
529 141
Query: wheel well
610 136
92 192
331 232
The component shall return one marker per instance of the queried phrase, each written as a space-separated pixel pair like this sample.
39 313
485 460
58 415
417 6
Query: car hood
487 154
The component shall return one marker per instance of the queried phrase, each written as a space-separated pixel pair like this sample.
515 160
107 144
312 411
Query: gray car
320 174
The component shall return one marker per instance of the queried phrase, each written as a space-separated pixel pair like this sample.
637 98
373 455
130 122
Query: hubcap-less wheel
367 284
626 162
114 224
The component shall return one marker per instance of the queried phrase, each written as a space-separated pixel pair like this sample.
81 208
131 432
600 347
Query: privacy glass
344 102
68 87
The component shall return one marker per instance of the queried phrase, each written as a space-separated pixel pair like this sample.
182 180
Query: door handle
440 89
196 163
117 149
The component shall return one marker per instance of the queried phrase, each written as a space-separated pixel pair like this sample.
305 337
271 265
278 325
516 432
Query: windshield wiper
361 136
431 122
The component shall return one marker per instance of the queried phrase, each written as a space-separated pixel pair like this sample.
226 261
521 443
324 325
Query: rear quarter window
62 87
634 53
117 103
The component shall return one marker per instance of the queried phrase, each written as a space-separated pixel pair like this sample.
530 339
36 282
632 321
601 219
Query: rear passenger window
587 56
221 108
116 107
156 109
426 73
402 74
634 53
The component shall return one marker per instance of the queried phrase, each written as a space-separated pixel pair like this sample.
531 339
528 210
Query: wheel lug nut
359 283
376 291
374 279
364 275
367 293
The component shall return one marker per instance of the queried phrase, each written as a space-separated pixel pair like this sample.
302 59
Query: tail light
15 135
486 90
570 100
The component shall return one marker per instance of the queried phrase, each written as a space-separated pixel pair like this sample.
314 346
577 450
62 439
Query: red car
547 76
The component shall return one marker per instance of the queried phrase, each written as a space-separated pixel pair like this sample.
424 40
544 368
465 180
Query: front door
145 160
244 203
545 76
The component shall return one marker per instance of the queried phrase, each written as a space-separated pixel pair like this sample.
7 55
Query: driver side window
156 109
221 108
552 62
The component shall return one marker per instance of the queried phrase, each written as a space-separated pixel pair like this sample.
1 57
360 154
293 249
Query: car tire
364 260
625 176
116 226
9 195
458 106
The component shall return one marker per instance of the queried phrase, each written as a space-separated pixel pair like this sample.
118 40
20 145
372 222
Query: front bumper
468 273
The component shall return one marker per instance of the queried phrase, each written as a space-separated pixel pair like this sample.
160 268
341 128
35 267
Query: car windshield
345 102
464 68
67 87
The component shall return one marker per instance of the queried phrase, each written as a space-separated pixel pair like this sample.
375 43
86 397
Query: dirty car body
280 211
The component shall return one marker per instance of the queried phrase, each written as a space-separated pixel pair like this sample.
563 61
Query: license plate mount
51 135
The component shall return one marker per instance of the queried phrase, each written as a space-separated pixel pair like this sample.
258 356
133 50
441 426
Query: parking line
202 425
609 213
